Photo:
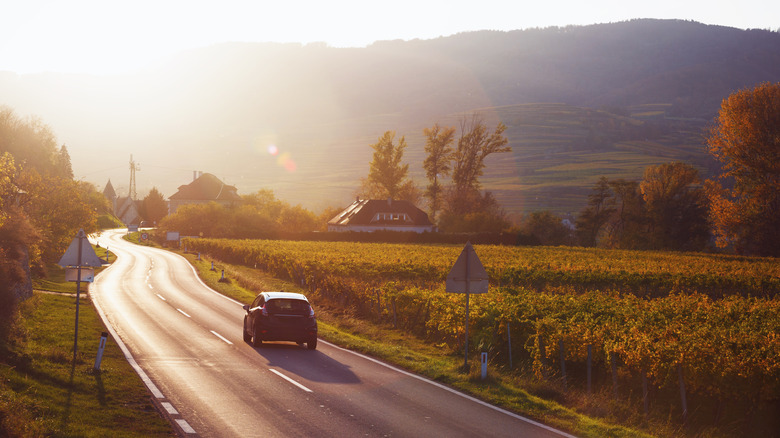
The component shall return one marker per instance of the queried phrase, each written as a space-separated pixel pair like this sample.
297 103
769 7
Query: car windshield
288 306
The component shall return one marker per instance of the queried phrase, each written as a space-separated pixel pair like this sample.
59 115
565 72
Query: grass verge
45 392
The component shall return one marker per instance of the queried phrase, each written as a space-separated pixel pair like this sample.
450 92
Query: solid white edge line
129 357
453 391
183 313
185 426
161 297
289 380
221 337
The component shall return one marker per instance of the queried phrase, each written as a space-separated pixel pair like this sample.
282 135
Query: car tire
247 336
312 344
256 341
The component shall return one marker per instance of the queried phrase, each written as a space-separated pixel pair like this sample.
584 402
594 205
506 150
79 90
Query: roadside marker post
483 359
467 276
99 358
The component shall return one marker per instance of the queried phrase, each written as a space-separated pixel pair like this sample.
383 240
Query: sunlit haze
161 81
97 36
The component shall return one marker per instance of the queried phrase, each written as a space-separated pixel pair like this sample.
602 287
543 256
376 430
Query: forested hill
217 109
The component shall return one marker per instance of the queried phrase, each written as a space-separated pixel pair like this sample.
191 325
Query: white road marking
169 408
453 391
161 297
221 337
290 380
185 426
183 313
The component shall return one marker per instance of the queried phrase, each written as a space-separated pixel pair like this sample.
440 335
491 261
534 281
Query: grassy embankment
44 392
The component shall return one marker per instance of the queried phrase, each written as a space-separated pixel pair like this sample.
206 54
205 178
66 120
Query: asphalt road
185 341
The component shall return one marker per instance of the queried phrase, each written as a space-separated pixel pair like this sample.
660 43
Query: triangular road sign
467 274
88 256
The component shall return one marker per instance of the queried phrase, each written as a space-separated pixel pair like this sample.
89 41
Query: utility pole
133 168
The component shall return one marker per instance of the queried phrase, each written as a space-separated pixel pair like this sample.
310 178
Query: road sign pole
79 254
466 349
465 270
78 295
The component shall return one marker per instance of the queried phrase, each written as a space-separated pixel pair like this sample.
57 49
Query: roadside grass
413 354
45 392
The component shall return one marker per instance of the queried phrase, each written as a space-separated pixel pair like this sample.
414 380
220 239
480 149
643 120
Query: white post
484 365
102 346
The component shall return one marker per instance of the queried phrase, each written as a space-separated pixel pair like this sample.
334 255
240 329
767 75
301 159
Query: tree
625 228
58 208
485 215
62 163
675 207
594 217
387 177
745 199
154 207
438 146
547 228
474 146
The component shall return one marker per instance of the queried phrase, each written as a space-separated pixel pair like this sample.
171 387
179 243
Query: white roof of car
287 295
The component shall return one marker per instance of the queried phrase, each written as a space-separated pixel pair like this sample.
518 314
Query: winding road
185 342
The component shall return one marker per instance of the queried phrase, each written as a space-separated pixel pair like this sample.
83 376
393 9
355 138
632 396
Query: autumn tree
438 147
665 210
475 144
547 228
593 218
387 176
261 215
675 207
467 208
745 198
154 207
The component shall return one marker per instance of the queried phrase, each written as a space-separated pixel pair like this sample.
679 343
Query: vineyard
710 322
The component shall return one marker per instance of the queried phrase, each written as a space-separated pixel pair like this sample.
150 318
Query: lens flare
272 149
286 162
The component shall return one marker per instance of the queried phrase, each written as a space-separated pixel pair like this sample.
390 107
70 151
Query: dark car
280 316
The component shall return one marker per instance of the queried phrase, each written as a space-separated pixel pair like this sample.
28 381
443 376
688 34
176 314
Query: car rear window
287 306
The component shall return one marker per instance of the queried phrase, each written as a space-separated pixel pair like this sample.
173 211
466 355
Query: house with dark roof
204 188
374 215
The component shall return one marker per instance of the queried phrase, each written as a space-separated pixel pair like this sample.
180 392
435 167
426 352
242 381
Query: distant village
361 215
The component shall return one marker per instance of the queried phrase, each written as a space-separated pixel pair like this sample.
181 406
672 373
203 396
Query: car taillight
311 312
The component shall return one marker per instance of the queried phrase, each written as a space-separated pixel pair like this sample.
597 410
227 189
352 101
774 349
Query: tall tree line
41 206
461 205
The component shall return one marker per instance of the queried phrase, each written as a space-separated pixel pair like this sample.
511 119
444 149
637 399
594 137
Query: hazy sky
109 36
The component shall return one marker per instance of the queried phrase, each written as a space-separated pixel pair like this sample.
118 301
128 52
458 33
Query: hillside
579 103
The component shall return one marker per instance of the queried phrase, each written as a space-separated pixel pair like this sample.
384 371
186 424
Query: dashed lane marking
290 380
221 337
